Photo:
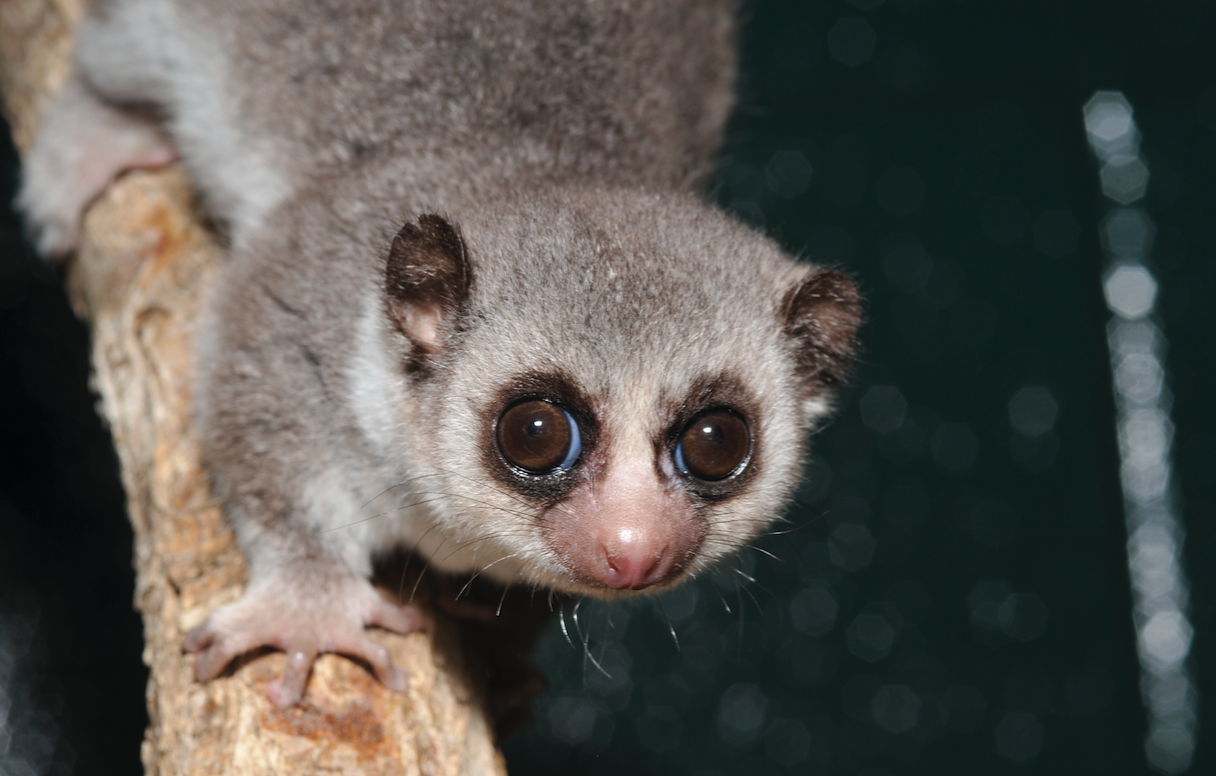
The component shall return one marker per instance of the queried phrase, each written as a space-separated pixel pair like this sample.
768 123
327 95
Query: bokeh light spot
1108 121
1124 179
741 714
813 611
1130 291
896 708
851 41
1167 638
852 546
883 408
1023 616
1019 736
788 173
870 637
572 719
1128 233
1033 410
787 741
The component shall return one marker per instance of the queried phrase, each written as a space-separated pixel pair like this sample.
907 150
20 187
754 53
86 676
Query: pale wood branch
139 280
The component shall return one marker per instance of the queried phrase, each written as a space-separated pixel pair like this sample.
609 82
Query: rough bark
139 279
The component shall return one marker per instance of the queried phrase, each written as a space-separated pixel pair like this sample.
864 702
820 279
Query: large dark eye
713 446
539 437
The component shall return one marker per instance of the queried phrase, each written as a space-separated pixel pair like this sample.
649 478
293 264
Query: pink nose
628 531
633 562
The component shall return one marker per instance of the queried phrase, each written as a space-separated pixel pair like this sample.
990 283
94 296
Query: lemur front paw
303 623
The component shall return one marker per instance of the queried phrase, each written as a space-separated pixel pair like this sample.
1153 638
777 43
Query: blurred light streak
1160 590
29 735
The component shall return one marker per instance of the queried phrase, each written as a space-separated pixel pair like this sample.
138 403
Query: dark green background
980 104
957 134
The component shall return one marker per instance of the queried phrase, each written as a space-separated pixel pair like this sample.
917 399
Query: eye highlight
713 446
539 437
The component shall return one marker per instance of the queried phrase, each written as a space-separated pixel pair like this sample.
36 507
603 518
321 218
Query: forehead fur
627 290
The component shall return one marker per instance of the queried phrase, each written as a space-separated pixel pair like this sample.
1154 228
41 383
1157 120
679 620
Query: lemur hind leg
84 143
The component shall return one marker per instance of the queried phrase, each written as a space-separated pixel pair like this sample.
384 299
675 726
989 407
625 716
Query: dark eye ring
539 437
714 446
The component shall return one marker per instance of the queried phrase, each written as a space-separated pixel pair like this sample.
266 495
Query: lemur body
474 305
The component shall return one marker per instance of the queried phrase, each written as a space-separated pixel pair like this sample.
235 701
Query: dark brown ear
822 315
426 280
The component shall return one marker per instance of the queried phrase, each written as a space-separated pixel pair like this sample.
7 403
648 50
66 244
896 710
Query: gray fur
566 141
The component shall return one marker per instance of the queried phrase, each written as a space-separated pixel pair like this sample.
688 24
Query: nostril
660 569
635 570
625 569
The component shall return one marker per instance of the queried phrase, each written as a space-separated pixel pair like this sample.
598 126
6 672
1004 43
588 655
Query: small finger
210 662
381 661
399 619
288 689
218 651
198 638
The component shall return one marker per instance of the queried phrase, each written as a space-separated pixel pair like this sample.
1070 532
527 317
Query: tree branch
139 279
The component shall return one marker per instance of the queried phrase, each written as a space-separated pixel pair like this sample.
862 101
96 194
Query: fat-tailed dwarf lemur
475 305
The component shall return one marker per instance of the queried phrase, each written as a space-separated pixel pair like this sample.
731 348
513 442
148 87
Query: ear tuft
427 279
822 316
